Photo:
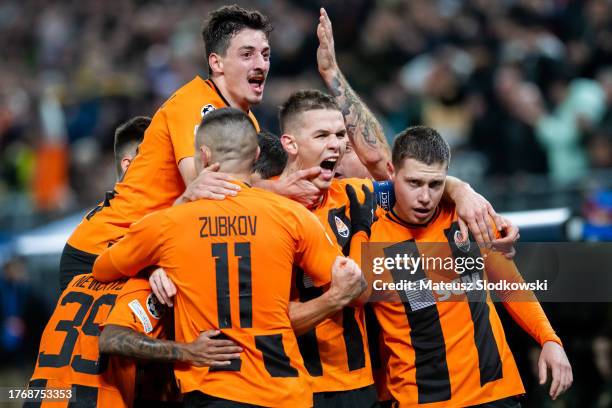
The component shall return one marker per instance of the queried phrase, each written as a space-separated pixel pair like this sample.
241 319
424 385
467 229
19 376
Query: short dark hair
421 143
272 157
231 137
127 135
227 21
302 101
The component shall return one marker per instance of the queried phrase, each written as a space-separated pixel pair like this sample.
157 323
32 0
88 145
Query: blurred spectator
519 82
21 314
602 357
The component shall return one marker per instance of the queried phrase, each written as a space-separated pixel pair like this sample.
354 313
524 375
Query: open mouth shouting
328 166
422 213
256 82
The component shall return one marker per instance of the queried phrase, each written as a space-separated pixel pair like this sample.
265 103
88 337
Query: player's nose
261 63
424 197
334 144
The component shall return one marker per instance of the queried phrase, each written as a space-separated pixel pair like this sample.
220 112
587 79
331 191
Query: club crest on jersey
155 307
464 246
341 227
207 109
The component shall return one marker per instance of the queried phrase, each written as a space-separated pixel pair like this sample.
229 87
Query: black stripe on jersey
373 331
309 348
432 376
39 383
489 361
243 251
353 340
84 397
235 364
275 358
219 252
307 342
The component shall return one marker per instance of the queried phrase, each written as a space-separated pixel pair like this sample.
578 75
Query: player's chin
255 97
322 183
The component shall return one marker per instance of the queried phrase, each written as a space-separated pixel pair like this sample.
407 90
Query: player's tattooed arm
364 130
203 351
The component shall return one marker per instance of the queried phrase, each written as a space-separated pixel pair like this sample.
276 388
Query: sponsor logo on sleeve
141 314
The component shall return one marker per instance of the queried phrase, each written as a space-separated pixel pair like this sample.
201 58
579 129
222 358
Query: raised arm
365 132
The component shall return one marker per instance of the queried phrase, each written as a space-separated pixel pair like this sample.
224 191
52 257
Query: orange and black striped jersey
446 353
336 351
153 180
69 355
232 264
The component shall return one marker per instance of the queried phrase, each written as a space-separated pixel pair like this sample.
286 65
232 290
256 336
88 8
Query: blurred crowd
516 86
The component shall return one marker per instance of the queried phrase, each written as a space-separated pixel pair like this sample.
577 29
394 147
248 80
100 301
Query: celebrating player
128 137
232 262
237 54
454 352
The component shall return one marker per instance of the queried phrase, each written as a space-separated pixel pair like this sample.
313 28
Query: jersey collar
392 215
211 84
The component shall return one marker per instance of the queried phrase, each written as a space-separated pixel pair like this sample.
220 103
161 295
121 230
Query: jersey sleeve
182 127
522 305
138 309
316 252
139 248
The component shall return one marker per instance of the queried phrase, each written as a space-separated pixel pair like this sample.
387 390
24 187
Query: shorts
74 262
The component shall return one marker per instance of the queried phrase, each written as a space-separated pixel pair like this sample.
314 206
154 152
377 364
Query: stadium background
522 90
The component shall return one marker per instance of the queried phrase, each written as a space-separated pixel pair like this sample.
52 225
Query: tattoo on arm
360 122
129 343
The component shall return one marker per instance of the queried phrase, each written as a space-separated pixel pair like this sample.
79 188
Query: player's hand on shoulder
362 214
510 234
162 287
474 212
326 54
209 184
298 187
347 281
553 357
206 351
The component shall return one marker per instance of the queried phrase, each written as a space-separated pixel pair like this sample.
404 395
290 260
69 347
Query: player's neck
241 177
223 90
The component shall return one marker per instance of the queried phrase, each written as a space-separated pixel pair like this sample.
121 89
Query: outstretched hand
553 357
326 54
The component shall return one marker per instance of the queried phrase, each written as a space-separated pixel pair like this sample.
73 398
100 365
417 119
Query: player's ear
215 63
390 171
205 155
257 153
289 144
125 163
